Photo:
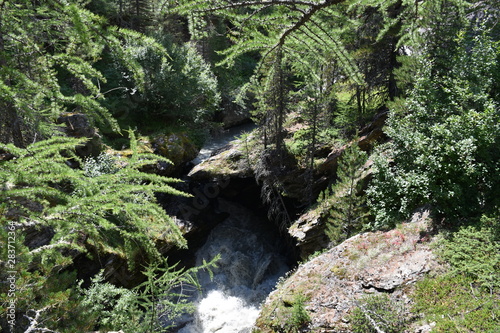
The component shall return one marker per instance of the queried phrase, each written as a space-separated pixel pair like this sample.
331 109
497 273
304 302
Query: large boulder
231 114
232 161
334 282
177 147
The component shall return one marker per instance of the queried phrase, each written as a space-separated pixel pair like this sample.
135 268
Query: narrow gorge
258 278
274 166
226 217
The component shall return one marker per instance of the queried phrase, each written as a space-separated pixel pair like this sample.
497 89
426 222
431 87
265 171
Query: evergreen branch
306 17
249 17
233 5
343 55
313 36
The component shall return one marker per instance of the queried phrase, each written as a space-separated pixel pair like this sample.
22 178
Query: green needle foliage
48 52
456 305
475 253
107 197
348 212
465 298
359 39
107 206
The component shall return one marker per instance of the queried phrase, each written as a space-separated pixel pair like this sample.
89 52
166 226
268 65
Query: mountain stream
252 260
250 266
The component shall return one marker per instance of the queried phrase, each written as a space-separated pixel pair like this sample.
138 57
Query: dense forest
86 85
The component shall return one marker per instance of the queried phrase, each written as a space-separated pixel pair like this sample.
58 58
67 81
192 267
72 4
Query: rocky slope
335 282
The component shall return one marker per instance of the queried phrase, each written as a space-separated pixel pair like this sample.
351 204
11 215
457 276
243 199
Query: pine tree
348 211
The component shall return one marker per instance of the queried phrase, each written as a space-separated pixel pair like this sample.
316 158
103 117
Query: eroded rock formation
369 263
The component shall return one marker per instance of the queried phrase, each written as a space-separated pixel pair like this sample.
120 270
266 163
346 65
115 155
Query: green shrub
465 299
299 315
182 87
455 305
377 313
444 138
179 87
473 252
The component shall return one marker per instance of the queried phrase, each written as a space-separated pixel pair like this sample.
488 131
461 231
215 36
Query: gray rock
370 263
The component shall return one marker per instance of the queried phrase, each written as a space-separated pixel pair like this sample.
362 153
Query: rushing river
250 265
247 272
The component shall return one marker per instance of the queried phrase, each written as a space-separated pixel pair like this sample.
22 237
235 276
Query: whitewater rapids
250 266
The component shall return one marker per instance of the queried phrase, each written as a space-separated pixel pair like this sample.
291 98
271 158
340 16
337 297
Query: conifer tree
348 211
104 207
47 43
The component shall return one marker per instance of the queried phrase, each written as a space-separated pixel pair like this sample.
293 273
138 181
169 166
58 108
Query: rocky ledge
334 282
233 160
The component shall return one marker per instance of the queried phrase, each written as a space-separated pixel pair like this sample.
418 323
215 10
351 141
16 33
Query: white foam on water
247 272
218 312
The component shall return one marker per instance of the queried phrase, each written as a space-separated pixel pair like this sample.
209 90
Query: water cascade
252 257
250 265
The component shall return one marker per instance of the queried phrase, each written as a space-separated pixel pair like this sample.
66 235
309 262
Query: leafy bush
179 87
444 138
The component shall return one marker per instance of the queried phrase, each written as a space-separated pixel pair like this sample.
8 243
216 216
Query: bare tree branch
34 321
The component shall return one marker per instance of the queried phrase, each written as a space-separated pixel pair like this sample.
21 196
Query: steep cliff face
334 283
